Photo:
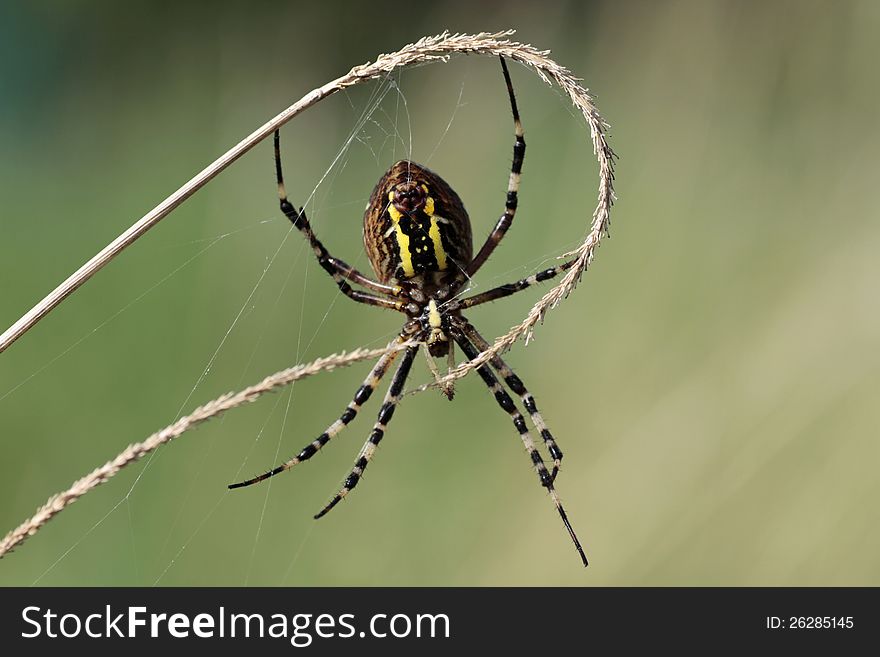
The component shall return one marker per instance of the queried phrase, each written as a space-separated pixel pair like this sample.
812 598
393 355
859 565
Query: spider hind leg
351 410
506 403
392 397
518 388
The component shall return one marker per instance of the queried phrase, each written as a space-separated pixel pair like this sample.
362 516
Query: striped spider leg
351 410
510 288
392 397
518 388
459 333
519 155
512 380
340 271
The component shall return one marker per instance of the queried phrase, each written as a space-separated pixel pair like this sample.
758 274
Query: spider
417 236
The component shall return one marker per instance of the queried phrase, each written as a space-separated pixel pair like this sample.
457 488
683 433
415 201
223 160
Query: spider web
382 127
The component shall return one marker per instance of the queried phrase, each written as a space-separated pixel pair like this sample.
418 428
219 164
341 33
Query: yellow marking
434 232
405 255
439 251
395 213
403 240
434 320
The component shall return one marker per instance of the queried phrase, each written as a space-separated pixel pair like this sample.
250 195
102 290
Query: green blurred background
713 380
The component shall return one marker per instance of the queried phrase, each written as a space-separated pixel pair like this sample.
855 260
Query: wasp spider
417 236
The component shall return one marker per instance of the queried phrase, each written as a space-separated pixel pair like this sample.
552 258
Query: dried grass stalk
425 50
132 453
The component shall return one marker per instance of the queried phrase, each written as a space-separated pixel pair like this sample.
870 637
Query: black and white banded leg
340 271
516 386
506 403
360 398
392 397
519 154
512 288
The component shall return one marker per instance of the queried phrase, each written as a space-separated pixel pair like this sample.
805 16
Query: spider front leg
340 271
392 397
506 403
360 398
519 155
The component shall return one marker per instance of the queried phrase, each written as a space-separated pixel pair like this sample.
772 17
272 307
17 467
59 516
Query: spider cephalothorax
417 235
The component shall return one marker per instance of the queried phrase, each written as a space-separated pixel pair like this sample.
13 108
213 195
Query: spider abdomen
416 225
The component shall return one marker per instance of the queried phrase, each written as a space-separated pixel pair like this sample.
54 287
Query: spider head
409 196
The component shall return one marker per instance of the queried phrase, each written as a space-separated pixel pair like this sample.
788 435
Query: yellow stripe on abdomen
434 234
405 255
439 251
402 242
